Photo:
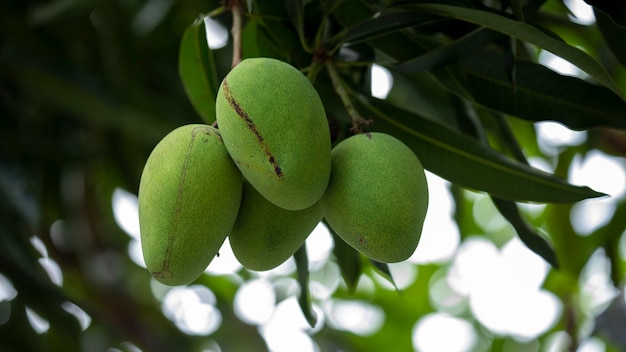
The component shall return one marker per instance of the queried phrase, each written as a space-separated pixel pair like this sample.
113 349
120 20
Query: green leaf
383 270
614 35
539 93
451 52
531 239
295 8
383 25
348 259
530 34
196 66
302 266
467 162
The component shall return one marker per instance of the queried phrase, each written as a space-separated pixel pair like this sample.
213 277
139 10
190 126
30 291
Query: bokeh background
87 88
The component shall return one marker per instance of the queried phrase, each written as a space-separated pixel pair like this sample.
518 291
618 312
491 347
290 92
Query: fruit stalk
358 122
235 8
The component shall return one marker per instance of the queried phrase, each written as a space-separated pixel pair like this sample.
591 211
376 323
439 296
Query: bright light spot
541 163
487 216
39 246
39 324
324 281
125 212
553 135
560 65
216 34
381 81
601 172
84 320
557 342
50 266
366 286
443 297
319 245
288 267
224 264
473 265
254 302
592 344
286 329
442 332
211 346
588 216
192 309
357 317
523 265
440 235
597 290
604 174
7 291
135 253
504 288
403 273
54 271
285 286
582 11
129 347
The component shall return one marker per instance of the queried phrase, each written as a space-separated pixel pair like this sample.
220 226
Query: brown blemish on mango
252 127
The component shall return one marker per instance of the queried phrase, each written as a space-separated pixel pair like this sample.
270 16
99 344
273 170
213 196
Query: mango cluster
266 176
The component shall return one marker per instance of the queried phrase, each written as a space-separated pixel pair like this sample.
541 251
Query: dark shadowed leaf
464 160
528 235
614 34
451 52
348 259
384 25
539 93
196 67
302 266
383 270
530 34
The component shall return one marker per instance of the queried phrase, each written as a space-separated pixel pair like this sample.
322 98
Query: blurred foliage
88 87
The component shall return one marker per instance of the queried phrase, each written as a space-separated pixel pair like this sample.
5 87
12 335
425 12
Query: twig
235 8
358 122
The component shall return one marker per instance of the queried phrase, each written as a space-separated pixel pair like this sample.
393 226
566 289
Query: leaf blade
302 267
196 68
530 34
539 93
462 160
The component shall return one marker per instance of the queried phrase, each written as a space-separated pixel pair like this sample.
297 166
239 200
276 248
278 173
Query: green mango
377 197
274 127
189 197
265 235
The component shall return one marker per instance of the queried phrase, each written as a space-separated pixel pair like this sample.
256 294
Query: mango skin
274 126
265 235
377 197
189 196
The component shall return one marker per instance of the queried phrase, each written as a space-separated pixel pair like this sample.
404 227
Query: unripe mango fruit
189 196
377 197
274 127
265 235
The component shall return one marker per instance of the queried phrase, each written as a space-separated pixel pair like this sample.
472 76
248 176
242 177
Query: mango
189 197
377 197
274 127
265 235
